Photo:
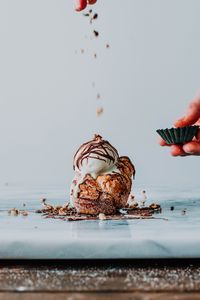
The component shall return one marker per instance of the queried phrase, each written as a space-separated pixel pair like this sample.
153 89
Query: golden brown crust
107 192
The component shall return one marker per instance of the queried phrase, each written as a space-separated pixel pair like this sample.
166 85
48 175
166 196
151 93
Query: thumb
192 148
192 115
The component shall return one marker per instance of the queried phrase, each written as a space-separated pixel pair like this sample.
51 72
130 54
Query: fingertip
91 1
177 150
192 148
80 5
180 123
162 142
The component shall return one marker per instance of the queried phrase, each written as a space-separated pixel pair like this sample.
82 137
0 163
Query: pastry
102 181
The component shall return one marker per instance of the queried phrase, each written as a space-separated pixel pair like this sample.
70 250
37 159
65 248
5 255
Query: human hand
82 4
192 117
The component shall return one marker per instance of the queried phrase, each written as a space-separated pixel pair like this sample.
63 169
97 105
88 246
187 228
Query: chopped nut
61 212
58 207
102 217
133 205
154 206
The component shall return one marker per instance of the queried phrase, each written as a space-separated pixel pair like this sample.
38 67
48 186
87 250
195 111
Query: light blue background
47 103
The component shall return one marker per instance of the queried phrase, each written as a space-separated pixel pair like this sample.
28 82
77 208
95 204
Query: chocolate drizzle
97 149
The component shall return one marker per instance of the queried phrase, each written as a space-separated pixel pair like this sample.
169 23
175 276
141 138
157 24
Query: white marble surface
34 237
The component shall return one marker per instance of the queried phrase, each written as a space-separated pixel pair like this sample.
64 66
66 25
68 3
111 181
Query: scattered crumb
183 212
24 213
99 111
154 206
102 217
13 212
172 208
133 205
132 197
107 46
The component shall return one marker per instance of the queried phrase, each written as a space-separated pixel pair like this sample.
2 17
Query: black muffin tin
179 135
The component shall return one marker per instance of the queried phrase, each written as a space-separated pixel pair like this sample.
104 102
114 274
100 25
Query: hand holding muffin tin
179 135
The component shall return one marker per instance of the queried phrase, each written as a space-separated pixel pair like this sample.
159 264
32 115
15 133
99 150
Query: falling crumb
95 55
107 46
172 208
102 217
90 11
96 33
99 111
24 204
98 96
95 16
82 51
86 15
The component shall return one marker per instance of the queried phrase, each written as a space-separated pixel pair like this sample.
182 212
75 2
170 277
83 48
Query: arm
82 4
192 117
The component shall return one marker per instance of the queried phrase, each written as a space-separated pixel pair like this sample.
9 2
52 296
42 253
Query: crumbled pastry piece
13 212
154 206
102 217
133 205
144 198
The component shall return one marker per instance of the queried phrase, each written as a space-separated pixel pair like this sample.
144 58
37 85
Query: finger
177 150
91 1
162 143
80 4
198 136
191 117
192 148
